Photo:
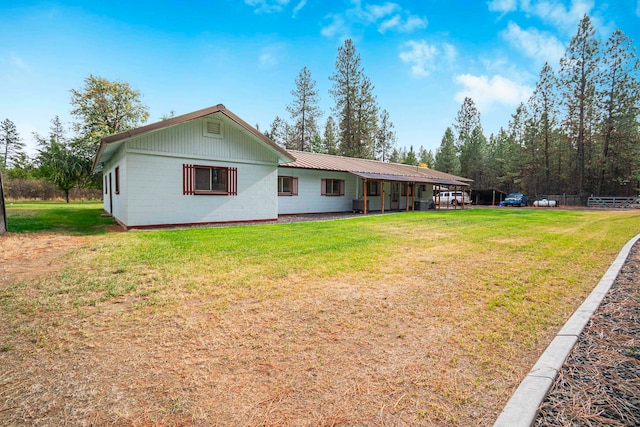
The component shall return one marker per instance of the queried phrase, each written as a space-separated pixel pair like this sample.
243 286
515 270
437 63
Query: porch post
382 183
413 197
364 191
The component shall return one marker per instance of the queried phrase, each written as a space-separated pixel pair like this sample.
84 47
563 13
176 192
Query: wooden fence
611 202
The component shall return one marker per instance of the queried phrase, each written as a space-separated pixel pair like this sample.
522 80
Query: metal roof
373 169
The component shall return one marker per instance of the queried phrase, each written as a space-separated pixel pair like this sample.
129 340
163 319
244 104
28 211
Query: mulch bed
599 384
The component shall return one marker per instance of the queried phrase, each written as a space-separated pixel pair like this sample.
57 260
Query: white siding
188 140
310 200
156 194
118 201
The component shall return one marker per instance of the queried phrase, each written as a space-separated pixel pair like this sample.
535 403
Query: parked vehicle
543 203
516 199
452 198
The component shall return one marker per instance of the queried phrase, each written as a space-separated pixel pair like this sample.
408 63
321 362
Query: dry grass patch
407 319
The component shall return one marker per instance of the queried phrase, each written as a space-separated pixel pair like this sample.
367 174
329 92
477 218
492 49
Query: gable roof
110 143
373 169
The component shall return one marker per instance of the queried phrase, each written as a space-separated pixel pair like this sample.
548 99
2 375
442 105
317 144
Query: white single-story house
210 167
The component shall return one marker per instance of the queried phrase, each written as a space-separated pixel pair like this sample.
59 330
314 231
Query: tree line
577 134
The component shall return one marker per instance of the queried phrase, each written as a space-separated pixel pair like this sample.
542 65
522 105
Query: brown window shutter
188 172
117 179
342 188
232 184
323 187
294 186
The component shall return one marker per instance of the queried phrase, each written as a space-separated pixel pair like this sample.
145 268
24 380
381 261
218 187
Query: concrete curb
522 408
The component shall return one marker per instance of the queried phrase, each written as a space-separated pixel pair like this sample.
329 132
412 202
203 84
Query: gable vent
212 128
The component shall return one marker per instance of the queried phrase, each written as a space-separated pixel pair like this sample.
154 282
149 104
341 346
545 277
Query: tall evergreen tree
578 77
473 153
447 155
304 110
410 157
619 95
425 157
330 138
467 120
385 137
544 106
355 104
10 142
281 133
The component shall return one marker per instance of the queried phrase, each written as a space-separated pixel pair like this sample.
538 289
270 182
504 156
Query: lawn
425 318
80 218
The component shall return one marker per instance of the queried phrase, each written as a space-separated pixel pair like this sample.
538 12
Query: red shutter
323 187
232 181
188 178
294 186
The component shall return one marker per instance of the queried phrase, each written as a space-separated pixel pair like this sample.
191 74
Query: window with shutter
287 186
332 187
211 180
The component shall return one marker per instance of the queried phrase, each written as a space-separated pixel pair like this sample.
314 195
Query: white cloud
486 91
502 6
556 13
267 6
386 17
533 43
424 57
299 7
14 64
269 56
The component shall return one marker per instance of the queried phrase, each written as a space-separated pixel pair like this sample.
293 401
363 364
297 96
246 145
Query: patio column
364 191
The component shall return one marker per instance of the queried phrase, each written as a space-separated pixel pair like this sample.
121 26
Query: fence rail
611 202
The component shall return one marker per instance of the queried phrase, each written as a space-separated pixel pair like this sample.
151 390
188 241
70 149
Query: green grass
485 288
56 217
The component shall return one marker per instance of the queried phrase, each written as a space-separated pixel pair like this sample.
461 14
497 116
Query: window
212 128
332 187
117 179
197 179
406 186
287 186
373 188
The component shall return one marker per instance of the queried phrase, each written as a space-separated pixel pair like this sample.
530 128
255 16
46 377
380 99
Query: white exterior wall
155 184
151 177
309 198
117 201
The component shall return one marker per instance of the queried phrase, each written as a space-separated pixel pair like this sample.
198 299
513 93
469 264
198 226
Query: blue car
516 199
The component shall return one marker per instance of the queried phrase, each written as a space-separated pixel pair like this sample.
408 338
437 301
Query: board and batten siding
188 140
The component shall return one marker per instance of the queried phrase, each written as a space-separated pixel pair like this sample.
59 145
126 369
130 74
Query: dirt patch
26 257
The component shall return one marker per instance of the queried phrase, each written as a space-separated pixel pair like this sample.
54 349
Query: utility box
357 205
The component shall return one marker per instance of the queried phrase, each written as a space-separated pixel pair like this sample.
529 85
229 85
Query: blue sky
423 56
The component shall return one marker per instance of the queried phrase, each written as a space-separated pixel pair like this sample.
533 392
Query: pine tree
447 155
425 157
467 120
330 140
10 142
385 137
578 77
282 134
473 154
355 104
304 111
544 105
619 94
410 157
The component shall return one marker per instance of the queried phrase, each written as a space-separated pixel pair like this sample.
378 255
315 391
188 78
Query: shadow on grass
59 218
